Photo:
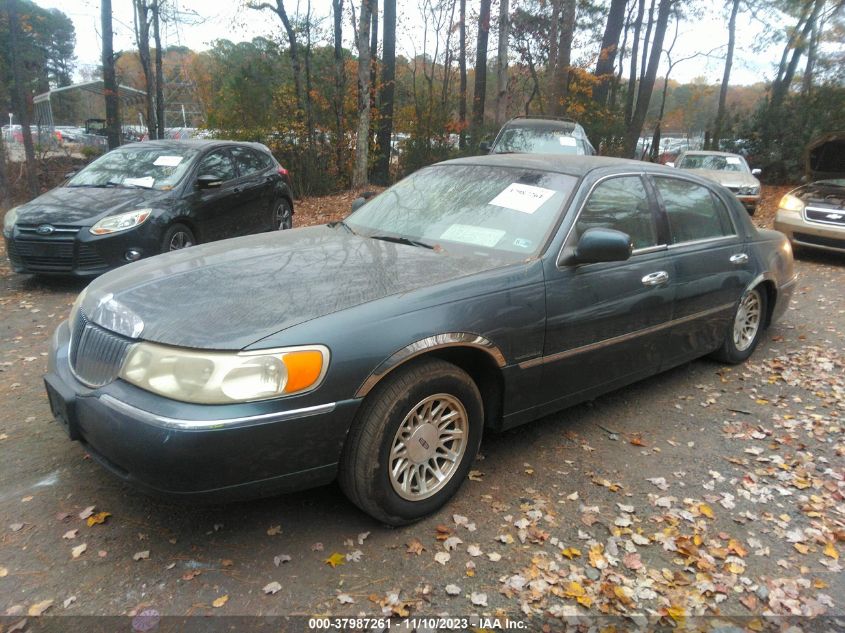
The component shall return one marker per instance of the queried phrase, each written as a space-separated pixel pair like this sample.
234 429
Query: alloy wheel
747 321
180 240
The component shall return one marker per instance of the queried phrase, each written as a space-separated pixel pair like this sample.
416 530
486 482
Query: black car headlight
9 220
203 377
120 222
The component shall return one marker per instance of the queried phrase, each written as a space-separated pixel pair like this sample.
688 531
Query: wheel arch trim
428 344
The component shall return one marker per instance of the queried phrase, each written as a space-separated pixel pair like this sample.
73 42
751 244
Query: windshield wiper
344 225
402 240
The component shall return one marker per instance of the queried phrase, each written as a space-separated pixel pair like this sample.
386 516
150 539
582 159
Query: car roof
195 143
702 152
560 163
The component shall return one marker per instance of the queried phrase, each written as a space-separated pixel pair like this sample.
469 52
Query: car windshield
715 162
532 140
150 167
510 210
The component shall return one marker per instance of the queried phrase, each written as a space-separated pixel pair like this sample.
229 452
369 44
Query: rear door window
249 161
218 164
694 212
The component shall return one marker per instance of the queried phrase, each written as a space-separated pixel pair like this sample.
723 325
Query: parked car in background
729 170
147 198
474 295
813 215
540 135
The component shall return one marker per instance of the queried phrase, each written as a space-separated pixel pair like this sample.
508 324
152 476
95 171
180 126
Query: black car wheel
746 329
413 442
177 237
283 215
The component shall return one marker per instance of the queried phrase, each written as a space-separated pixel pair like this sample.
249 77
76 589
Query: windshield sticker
146 181
167 161
524 198
732 160
477 235
567 141
521 242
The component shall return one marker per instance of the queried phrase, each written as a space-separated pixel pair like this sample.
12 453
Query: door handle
236 190
740 258
656 279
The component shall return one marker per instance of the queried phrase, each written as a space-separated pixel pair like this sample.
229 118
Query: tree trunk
21 96
800 45
647 83
362 145
632 75
462 65
293 46
386 93
726 78
142 38
339 84
502 64
480 89
617 80
160 117
606 63
554 33
5 198
649 26
812 51
560 86
109 79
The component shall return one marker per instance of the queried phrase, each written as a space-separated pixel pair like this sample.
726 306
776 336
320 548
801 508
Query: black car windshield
138 165
506 209
717 162
535 140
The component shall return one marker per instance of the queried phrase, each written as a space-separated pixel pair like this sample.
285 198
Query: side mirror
207 181
602 245
756 172
669 164
357 203
70 174
485 147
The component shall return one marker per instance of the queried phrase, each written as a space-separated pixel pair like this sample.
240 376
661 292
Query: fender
438 341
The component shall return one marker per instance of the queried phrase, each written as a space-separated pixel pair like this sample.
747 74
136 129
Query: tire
745 330
177 234
282 215
365 468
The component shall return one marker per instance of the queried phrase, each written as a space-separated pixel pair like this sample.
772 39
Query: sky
228 19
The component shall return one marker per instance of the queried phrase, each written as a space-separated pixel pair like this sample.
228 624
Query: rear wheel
282 215
746 329
413 442
177 237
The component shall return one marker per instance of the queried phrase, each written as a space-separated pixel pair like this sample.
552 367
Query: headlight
121 222
9 220
791 203
223 377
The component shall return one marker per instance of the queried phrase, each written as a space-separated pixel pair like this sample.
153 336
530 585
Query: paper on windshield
524 198
167 161
732 160
468 234
146 181
567 141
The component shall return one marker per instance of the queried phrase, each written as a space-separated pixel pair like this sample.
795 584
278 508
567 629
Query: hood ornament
45 229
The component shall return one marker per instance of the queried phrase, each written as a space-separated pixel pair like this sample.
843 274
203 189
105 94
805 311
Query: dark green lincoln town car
475 295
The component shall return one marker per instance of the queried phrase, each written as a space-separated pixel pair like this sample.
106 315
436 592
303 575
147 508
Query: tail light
283 172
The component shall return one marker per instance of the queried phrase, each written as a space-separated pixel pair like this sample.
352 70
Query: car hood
84 206
826 192
727 178
226 295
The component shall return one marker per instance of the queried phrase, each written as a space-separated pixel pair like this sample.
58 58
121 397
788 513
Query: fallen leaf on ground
442 557
77 551
281 558
414 546
345 598
68 601
453 590
87 512
830 550
273 531
70 534
219 602
39 607
271 588
16 527
144 555
478 599
335 559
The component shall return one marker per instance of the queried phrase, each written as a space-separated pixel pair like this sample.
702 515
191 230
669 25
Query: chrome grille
96 355
826 216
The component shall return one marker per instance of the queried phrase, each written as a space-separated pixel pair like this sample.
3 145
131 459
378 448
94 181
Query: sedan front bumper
212 453
828 237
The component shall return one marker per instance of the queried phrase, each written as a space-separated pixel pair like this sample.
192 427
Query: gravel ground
705 491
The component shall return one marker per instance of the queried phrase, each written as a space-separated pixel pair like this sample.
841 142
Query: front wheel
282 215
746 329
413 442
177 237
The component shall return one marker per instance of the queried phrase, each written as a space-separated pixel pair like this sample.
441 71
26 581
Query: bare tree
109 79
143 21
280 10
480 89
726 77
20 93
607 54
339 81
502 64
462 66
359 172
387 92
155 8
560 86
632 74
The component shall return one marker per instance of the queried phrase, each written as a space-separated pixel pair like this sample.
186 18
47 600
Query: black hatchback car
147 198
